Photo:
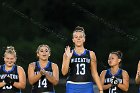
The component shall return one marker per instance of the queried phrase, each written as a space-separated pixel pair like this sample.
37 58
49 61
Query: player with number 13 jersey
80 65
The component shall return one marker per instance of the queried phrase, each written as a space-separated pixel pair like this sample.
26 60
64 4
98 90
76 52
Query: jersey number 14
42 83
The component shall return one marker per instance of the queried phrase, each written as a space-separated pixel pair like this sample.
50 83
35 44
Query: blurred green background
110 25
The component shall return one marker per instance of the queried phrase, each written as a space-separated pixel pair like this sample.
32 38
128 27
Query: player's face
113 60
78 38
9 59
43 53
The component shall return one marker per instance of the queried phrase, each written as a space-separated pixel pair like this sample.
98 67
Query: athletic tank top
80 67
43 85
108 76
13 73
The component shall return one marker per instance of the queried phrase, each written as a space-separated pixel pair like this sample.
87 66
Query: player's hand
8 80
68 52
114 81
42 71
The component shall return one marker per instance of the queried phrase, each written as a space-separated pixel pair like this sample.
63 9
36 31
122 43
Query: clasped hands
43 72
114 81
9 81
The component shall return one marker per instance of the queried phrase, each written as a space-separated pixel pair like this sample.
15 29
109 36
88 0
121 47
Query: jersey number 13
80 69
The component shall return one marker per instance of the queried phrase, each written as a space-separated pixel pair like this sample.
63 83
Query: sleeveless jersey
13 73
80 67
108 76
43 85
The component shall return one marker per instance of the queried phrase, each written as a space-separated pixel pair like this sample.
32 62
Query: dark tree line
109 25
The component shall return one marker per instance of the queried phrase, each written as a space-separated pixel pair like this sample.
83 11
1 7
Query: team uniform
80 79
108 79
13 74
43 85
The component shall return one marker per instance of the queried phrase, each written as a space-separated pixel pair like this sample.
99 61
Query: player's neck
43 63
114 70
79 50
7 68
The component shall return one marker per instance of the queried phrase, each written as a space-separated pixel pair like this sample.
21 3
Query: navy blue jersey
80 68
108 76
13 74
43 85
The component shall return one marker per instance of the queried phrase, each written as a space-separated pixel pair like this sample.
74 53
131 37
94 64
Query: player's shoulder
91 52
103 72
54 64
139 63
32 65
20 68
124 72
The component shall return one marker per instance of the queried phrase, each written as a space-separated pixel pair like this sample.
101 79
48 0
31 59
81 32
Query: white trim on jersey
78 82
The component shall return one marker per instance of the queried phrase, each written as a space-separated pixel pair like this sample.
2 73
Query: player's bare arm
66 60
22 79
94 71
31 75
125 85
102 77
137 78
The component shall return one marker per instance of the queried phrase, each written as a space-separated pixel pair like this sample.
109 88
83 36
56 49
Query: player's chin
79 45
44 59
111 65
10 64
